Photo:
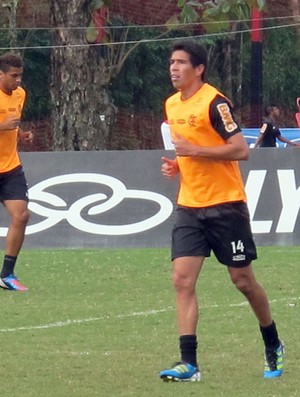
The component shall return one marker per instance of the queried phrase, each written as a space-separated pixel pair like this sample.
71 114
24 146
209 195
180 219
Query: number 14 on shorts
237 246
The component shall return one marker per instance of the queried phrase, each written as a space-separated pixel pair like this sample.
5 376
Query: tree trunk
238 55
82 114
296 14
226 69
12 6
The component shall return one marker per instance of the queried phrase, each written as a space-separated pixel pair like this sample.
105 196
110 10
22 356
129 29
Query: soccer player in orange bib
13 185
212 214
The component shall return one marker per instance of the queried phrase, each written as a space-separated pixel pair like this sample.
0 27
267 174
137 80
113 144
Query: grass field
102 323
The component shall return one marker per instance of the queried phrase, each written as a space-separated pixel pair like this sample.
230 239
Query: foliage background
139 90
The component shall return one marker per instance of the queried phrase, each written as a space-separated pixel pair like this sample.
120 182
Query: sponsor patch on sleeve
226 116
263 128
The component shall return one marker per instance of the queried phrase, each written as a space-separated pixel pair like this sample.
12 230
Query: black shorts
13 185
224 229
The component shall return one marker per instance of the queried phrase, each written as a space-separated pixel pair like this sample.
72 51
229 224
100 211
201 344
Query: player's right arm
234 146
169 168
10 123
262 131
258 140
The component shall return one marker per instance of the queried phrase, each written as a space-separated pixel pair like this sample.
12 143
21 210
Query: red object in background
256 26
256 68
100 17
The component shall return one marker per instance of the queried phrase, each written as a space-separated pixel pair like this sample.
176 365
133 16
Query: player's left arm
25 136
285 140
234 147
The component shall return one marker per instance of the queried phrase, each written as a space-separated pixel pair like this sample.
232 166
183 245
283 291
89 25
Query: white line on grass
84 320
134 314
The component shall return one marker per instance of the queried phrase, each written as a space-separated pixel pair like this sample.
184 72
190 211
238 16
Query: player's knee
243 284
22 217
177 280
182 282
25 216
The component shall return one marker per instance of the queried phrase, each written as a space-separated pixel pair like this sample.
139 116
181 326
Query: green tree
281 69
10 7
85 63
36 61
142 86
227 18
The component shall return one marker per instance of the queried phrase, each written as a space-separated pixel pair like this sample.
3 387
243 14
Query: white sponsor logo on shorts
239 258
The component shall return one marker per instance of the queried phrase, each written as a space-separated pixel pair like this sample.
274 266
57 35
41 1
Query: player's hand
169 168
25 136
10 123
183 147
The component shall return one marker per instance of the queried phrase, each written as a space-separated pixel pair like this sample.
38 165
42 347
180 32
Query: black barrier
120 199
272 178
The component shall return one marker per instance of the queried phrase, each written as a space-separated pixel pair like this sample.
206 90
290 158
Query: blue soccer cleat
274 362
181 372
12 283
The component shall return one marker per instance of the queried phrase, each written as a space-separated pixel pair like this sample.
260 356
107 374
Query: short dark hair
9 60
269 108
196 51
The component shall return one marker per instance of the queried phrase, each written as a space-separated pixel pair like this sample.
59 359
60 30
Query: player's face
276 112
183 73
11 80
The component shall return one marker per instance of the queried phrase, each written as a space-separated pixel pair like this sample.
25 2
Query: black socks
188 348
270 336
8 266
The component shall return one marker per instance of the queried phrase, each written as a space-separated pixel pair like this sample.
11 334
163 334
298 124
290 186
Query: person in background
297 115
13 185
269 131
212 213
